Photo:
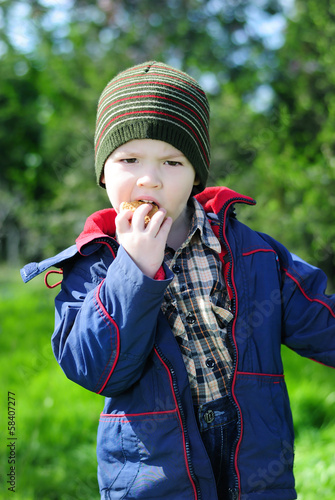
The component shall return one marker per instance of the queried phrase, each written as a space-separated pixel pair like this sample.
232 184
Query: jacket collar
217 198
101 224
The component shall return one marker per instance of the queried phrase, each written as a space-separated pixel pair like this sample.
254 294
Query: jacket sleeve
308 312
104 332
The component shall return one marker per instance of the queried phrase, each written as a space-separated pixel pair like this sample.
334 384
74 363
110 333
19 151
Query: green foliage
56 420
54 71
294 173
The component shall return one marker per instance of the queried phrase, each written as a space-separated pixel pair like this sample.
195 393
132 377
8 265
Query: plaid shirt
197 307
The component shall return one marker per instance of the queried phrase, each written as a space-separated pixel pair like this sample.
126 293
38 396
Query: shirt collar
200 226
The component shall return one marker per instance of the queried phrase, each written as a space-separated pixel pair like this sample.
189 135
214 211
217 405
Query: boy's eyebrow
175 155
125 153
135 154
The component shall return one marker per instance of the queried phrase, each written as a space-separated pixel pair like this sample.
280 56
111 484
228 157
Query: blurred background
268 67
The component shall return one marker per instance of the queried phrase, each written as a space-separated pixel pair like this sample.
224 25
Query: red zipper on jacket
182 420
232 287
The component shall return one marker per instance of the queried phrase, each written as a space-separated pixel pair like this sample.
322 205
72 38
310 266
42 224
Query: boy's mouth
150 201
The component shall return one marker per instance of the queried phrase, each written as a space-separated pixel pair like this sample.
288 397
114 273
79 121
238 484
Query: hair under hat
154 101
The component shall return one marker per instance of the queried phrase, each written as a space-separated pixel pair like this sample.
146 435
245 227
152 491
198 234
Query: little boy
179 321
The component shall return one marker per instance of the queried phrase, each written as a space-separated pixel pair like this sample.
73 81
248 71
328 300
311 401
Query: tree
294 173
62 55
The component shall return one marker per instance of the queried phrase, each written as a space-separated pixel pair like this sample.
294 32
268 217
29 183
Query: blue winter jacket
112 338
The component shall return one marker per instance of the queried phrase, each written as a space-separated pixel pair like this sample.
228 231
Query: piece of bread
133 205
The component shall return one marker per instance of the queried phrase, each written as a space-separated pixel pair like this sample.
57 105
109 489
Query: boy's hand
144 244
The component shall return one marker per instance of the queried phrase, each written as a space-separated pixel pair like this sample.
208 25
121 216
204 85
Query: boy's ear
102 177
196 181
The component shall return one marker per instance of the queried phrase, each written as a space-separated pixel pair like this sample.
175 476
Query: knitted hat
154 101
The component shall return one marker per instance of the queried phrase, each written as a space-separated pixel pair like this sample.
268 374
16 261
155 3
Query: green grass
56 421
311 388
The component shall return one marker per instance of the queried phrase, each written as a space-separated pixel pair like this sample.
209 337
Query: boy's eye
173 163
129 160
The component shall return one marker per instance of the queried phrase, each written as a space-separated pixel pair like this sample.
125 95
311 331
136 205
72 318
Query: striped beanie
154 101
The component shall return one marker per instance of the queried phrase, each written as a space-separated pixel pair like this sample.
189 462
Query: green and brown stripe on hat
154 101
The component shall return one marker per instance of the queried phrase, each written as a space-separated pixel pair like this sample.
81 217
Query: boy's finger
165 228
123 220
156 220
140 213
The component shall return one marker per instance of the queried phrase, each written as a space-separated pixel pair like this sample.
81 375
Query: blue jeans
217 422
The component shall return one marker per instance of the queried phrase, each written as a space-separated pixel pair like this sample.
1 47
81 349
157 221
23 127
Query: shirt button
210 363
176 269
191 319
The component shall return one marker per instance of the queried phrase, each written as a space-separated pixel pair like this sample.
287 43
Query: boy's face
146 169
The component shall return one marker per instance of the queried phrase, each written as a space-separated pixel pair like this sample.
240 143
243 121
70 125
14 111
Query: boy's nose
149 179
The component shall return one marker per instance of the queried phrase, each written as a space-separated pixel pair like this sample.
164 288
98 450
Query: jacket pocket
141 456
118 456
265 456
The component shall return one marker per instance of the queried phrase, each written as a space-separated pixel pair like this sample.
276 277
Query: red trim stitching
109 247
118 337
261 374
126 421
222 255
181 425
101 243
137 414
96 305
306 296
234 340
323 364
123 419
259 250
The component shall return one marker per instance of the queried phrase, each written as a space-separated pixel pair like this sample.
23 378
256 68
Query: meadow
56 421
